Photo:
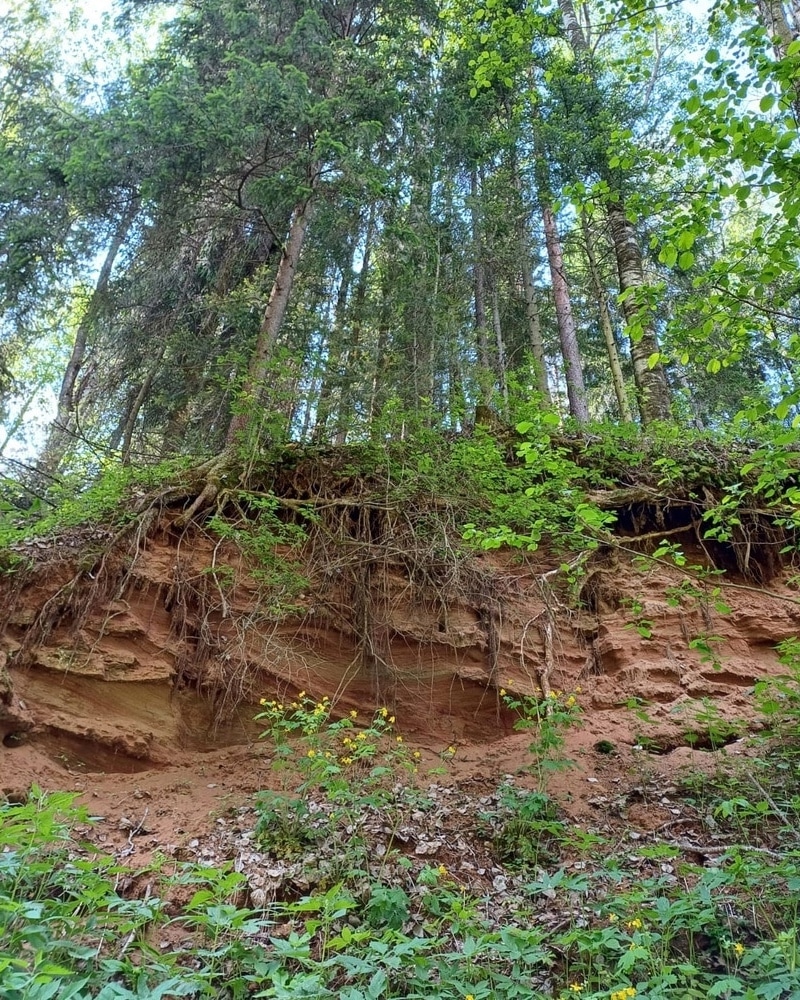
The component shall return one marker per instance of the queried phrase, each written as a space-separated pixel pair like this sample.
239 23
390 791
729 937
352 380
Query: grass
390 890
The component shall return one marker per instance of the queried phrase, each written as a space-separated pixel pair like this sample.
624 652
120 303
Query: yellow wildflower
442 870
353 713
263 701
301 696
451 750
326 698
571 701
346 760
502 692
417 754
311 753
361 736
739 949
391 720
384 712
634 925
469 996
399 739
576 987
613 918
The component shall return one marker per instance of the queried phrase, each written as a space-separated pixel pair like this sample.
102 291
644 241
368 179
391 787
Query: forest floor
592 793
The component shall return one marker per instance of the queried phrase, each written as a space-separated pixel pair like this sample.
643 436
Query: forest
400 499
235 225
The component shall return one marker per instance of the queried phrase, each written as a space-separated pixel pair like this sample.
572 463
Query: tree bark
353 355
62 429
333 364
501 347
253 396
486 377
772 15
606 324
573 363
651 382
532 317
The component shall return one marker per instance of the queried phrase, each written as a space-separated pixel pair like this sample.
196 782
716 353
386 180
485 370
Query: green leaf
767 102
668 255
686 260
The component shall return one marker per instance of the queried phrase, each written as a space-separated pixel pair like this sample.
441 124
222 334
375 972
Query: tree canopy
335 220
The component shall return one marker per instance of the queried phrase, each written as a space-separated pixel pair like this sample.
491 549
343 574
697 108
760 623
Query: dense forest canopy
245 222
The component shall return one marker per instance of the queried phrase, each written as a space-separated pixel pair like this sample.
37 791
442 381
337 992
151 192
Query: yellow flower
502 692
552 695
417 754
384 712
571 701
326 698
353 713
576 987
625 994
263 701
295 705
613 918
280 708
442 870
451 750
346 760
399 739
578 690
311 753
469 996
634 925
739 949
361 736
301 696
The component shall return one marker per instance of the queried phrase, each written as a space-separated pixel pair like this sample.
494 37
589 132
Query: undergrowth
557 912
535 483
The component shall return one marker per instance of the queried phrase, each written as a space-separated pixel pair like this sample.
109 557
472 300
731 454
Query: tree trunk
606 325
138 403
572 26
772 15
253 397
573 363
651 382
62 429
501 347
353 356
532 317
332 376
485 376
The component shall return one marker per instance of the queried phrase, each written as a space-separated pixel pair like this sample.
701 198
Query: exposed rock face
169 646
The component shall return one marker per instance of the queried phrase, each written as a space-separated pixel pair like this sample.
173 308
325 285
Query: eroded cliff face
122 657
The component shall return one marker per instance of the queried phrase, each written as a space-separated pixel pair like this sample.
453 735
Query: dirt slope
135 676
